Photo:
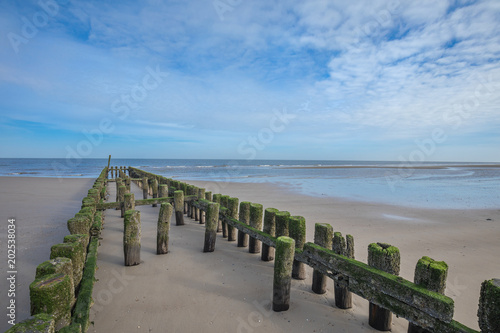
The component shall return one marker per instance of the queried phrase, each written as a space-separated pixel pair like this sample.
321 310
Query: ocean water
430 184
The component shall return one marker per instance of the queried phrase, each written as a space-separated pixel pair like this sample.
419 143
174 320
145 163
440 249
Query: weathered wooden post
121 194
53 294
208 196
191 210
163 228
269 228
200 213
179 207
431 275
245 218
282 223
74 251
285 251
297 230
489 306
386 258
132 238
255 222
343 297
223 203
323 234
232 205
163 191
56 266
211 227
128 202
118 183
217 199
155 190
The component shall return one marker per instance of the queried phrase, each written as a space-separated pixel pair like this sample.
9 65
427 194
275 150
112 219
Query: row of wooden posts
280 236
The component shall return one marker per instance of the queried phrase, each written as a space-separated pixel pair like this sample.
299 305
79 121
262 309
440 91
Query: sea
451 185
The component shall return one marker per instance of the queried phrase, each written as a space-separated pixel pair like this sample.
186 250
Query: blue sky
319 79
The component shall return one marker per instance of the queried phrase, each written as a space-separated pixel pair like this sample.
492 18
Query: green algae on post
145 188
53 294
179 207
232 206
74 251
132 238
386 258
489 306
270 229
163 228
430 274
282 223
256 223
211 227
285 251
323 233
245 218
155 190
343 297
297 230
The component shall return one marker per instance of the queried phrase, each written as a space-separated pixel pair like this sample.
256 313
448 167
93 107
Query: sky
392 80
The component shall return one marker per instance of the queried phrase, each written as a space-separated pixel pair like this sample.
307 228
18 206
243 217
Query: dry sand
230 290
41 207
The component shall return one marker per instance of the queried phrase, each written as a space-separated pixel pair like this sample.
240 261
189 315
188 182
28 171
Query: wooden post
343 297
155 190
245 218
118 183
269 228
323 234
489 306
223 203
200 213
208 196
145 188
386 258
132 238
163 228
285 251
179 207
233 212
282 223
74 251
217 199
191 209
121 193
255 222
297 230
211 227
163 191
431 275
52 294
128 202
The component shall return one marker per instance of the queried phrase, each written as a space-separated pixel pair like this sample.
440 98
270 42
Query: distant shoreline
430 167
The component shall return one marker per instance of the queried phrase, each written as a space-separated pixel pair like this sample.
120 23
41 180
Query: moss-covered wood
244 217
79 225
179 207
217 199
74 251
163 228
282 223
53 294
430 274
269 228
323 235
285 251
132 238
81 312
256 211
211 226
80 238
232 206
297 230
489 306
39 323
122 190
387 258
343 297
58 265
223 204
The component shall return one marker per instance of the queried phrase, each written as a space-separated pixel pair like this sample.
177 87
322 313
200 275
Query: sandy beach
230 290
